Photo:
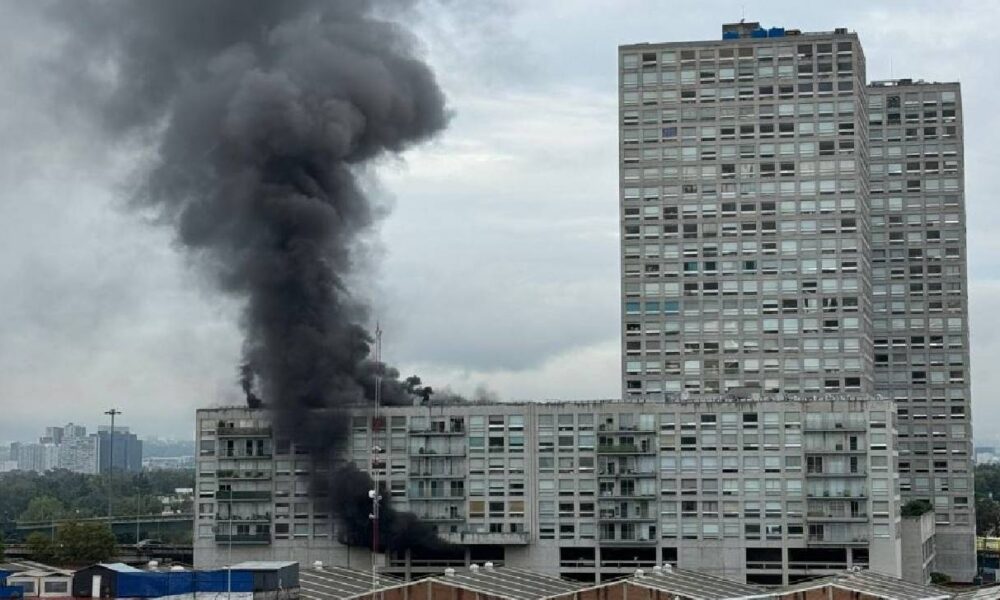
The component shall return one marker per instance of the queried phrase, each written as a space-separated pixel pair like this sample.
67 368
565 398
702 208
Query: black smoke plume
264 114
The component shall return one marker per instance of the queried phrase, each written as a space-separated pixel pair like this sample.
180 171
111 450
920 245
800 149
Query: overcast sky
498 266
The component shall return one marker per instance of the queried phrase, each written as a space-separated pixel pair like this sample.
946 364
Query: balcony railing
641 540
261 518
243 538
431 431
263 455
443 453
854 425
858 473
503 539
414 495
838 540
831 495
262 431
626 518
253 496
230 474
624 449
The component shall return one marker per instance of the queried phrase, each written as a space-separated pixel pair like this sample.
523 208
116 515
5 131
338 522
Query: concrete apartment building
788 229
793 286
768 492
920 306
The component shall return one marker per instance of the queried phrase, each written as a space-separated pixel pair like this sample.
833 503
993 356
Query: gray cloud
499 263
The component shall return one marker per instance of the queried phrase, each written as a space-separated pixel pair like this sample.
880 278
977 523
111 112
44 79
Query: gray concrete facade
921 303
761 491
785 231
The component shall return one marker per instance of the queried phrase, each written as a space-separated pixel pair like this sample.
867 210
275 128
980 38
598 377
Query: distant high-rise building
789 230
53 435
125 447
37 458
78 451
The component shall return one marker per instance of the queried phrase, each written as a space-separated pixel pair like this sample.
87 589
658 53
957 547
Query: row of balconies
233 474
250 496
625 449
232 431
423 451
260 518
243 538
838 495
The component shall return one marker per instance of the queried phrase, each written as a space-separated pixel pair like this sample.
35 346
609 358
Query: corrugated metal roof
20 566
509 582
990 593
876 584
263 565
697 585
119 567
338 583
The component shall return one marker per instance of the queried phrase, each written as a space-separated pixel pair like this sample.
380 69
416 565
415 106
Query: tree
940 578
41 548
915 508
987 517
3 549
84 542
988 481
43 508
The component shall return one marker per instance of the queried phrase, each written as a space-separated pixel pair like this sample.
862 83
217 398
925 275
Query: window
55 587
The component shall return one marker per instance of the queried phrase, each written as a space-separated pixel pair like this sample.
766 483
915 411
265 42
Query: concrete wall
918 548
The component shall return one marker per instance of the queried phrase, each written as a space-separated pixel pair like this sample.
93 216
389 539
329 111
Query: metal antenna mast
376 451
113 412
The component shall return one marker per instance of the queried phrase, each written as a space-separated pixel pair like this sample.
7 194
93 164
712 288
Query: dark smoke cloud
263 114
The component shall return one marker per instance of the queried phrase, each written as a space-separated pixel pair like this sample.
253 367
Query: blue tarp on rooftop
169 583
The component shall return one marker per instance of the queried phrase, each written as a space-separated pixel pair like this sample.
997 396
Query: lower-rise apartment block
762 491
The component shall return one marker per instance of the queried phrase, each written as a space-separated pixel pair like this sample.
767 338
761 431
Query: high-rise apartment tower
778 239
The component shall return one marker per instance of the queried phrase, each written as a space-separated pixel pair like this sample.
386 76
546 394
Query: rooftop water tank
759 33
776 32
730 35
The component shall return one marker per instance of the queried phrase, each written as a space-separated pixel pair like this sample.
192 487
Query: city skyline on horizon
588 235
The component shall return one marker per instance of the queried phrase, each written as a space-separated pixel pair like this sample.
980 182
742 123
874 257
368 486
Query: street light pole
111 459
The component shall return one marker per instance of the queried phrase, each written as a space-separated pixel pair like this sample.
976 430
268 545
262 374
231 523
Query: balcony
630 429
841 495
417 452
828 540
835 450
428 495
625 449
456 518
426 431
426 475
238 456
236 519
503 539
243 538
628 518
834 426
625 494
245 475
626 473
263 431
631 541
823 517
243 496
858 473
